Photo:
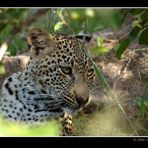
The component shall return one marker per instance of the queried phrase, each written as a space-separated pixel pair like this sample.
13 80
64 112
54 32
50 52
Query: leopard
55 82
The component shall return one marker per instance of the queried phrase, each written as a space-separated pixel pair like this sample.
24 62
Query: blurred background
119 47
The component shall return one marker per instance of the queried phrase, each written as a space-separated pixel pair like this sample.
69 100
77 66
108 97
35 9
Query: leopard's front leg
67 124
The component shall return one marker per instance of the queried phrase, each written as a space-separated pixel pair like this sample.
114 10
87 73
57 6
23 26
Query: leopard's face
62 67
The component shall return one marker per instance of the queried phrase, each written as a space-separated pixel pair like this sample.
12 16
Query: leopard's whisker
70 101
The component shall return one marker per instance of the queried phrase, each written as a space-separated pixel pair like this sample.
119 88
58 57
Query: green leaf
144 15
134 33
2 69
121 47
100 41
99 50
58 26
139 101
2 26
101 78
143 38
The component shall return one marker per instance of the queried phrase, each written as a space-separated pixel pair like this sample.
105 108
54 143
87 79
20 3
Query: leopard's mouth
72 103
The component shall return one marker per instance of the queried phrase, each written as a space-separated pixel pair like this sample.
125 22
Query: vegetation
16 22
8 128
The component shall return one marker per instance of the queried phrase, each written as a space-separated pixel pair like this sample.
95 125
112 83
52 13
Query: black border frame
74 3
66 141
72 141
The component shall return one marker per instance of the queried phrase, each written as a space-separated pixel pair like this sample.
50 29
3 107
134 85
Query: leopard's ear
40 42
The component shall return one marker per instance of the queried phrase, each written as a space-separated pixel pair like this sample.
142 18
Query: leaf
99 50
141 102
100 41
58 26
102 80
100 76
121 47
144 16
2 26
143 38
2 69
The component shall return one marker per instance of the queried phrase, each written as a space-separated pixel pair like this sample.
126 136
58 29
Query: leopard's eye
66 70
90 72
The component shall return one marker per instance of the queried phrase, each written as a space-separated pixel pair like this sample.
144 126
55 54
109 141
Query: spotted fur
54 82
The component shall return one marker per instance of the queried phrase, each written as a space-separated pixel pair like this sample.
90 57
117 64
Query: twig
139 74
142 49
84 31
15 30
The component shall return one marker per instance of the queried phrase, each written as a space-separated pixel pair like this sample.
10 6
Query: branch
35 16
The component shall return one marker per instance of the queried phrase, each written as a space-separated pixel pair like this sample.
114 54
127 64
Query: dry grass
109 121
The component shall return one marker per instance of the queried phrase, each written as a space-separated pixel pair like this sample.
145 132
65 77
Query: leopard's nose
82 101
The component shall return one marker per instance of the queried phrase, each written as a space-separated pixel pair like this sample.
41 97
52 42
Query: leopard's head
62 67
